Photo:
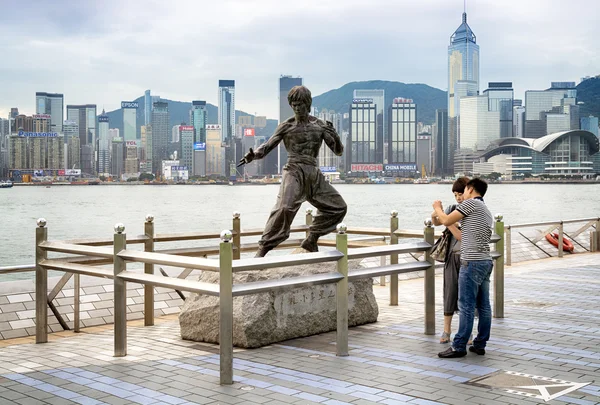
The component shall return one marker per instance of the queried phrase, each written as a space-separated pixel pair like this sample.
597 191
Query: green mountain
427 98
179 112
588 93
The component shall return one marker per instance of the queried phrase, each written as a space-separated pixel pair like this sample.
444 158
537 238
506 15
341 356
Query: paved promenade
547 347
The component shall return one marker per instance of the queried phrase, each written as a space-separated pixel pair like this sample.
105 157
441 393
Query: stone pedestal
262 319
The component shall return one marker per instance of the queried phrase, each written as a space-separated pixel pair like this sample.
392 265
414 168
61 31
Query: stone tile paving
551 330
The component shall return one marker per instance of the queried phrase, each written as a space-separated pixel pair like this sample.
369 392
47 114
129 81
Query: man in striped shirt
475 270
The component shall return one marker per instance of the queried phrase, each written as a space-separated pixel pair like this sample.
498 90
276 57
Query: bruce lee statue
302 180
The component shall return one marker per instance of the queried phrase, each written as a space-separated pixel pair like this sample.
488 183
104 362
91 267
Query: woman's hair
460 184
300 93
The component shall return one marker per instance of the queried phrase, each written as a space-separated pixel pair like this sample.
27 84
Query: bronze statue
302 180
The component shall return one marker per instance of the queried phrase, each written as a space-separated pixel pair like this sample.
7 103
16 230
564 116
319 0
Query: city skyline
108 61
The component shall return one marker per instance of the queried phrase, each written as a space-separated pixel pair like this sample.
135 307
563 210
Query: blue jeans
474 292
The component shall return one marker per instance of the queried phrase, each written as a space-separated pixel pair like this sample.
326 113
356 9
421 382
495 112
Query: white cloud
105 52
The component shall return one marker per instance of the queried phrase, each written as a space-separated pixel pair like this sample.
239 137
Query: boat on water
5 184
421 181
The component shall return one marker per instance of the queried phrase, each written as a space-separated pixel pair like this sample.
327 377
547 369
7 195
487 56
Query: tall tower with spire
463 79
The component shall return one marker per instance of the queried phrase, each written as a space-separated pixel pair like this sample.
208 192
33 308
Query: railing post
341 244
309 219
429 282
560 239
120 292
226 308
41 284
508 246
149 269
76 303
598 234
393 257
237 237
595 237
499 270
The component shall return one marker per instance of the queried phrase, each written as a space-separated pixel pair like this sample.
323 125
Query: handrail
17 269
408 233
53 264
174 283
259 231
387 270
169 260
375 251
106 242
77 249
256 287
261 263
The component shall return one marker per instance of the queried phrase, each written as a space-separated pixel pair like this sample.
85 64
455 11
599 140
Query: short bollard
429 281
41 284
393 257
120 292
341 244
226 308
237 235
508 246
499 270
149 269
76 303
560 239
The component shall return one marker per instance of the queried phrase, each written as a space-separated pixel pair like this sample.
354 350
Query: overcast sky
103 52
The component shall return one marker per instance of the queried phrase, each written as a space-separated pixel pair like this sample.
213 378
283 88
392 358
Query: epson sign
129 104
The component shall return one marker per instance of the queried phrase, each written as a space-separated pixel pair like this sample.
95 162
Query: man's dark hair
480 186
301 94
460 184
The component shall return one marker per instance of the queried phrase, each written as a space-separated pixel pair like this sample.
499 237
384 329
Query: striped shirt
476 230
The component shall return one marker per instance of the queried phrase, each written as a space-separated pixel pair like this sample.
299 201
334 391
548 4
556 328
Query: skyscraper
402 127
227 109
147 108
286 83
160 134
53 105
378 97
463 65
85 118
442 156
104 144
199 120
129 109
362 151
590 124
542 108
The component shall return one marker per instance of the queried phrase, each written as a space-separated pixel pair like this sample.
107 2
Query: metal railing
227 264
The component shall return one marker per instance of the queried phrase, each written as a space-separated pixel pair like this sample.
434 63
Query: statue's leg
289 200
331 211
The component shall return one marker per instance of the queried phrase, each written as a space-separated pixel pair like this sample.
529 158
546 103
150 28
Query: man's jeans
474 292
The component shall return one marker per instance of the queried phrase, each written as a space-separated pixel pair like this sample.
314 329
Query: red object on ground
553 239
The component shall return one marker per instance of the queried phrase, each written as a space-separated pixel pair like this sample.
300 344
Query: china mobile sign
400 167
367 167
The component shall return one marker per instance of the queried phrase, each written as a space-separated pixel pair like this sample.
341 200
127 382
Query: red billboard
367 167
249 132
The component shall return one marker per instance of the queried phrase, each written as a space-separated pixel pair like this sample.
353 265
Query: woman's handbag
439 249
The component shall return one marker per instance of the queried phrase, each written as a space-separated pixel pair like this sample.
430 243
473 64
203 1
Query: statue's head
300 95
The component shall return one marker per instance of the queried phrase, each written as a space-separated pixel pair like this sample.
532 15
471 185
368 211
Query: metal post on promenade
508 246
499 270
76 303
429 281
341 244
120 292
149 269
309 219
237 237
41 284
595 237
560 239
226 308
393 257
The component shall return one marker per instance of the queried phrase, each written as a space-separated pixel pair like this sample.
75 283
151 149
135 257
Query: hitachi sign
129 104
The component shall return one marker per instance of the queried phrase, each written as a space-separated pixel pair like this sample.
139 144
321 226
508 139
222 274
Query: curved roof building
571 153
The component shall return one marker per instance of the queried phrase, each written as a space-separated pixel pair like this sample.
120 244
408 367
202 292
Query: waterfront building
186 142
442 152
424 154
131 166
37 151
568 153
364 147
85 117
129 109
226 109
51 104
463 80
199 120
518 121
146 159
402 142
117 161
104 144
560 98
215 151
160 137
589 124
147 108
